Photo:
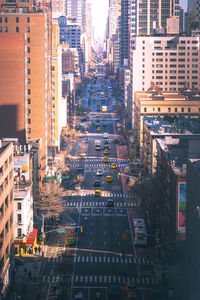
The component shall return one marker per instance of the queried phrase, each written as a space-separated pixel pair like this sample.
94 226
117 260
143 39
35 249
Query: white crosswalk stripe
110 259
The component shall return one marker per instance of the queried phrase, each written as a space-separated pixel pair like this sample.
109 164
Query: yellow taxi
97 193
108 178
113 166
105 160
98 129
106 151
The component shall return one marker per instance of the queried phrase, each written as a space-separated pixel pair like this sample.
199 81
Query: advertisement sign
181 206
22 166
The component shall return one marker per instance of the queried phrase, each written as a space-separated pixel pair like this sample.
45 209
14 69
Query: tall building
26 51
6 213
58 8
193 14
170 62
124 30
74 8
147 15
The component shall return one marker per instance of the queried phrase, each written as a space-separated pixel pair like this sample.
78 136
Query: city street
103 254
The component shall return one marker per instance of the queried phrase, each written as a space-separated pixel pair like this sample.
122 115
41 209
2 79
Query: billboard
22 166
181 206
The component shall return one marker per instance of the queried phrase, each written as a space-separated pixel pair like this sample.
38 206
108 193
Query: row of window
17 30
174 53
182 42
174 59
4 167
176 109
5 19
173 66
174 77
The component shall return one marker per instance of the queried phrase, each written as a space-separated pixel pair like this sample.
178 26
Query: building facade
26 51
147 15
6 215
169 62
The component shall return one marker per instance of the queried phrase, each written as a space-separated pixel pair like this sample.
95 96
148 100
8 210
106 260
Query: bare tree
50 199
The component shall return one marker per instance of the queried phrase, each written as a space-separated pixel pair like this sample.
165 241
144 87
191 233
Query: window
0 19
6 29
29 91
28 60
28 29
29 121
28 19
28 111
6 20
19 205
19 232
29 81
189 110
158 109
17 29
145 109
175 109
0 29
29 130
28 40
29 101
169 109
17 19
28 71
19 218
28 49
182 109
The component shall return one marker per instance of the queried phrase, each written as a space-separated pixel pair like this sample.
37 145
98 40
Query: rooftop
178 151
155 94
172 126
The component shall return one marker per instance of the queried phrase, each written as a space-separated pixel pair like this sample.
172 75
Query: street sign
61 230
77 146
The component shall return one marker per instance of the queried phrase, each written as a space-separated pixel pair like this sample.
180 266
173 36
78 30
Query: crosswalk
111 259
99 204
103 194
95 160
97 165
103 279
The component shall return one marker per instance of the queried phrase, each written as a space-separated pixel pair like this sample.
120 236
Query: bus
97 145
105 136
140 233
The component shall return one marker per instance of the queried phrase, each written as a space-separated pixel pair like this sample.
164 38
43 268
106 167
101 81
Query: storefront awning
32 237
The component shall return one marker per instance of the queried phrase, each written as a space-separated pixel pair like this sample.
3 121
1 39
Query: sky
100 12
99 17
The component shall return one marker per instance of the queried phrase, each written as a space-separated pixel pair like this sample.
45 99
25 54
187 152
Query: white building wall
25 198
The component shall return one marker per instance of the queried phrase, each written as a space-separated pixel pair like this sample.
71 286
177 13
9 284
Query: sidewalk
26 283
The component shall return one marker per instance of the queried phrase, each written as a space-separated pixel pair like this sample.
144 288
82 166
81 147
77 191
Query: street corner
30 267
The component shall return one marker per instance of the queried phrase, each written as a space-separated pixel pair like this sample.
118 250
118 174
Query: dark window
29 101
17 29
6 20
28 40
17 19
29 121
28 29
28 19
19 206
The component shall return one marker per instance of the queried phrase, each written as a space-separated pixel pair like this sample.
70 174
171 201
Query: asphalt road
104 254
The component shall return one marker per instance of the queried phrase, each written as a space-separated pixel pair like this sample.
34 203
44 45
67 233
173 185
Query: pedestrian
39 249
36 249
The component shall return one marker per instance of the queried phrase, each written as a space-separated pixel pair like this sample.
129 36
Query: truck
97 145
104 108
